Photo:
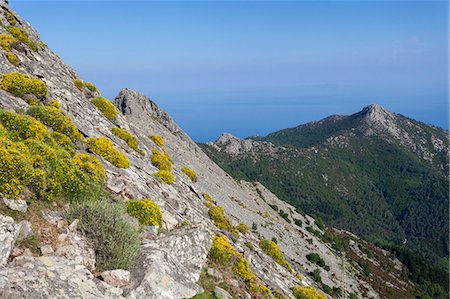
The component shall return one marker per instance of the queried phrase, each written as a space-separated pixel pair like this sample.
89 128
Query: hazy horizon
252 68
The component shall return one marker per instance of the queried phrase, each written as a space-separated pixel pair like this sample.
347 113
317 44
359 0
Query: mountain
378 174
105 199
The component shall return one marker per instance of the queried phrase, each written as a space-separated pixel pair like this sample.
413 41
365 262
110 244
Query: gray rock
116 278
73 226
16 204
52 216
221 293
172 263
75 247
8 234
214 273
25 231
47 250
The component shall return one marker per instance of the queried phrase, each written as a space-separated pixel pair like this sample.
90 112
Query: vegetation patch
157 140
190 173
21 85
78 84
56 119
104 147
217 215
271 249
12 20
91 86
115 241
165 176
106 107
302 292
242 228
316 259
128 138
161 160
145 211
22 35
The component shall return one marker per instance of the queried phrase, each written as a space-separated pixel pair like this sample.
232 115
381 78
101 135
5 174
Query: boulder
116 278
221 293
171 264
16 204
9 231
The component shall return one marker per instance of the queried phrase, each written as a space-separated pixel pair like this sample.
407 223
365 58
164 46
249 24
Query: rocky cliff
45 254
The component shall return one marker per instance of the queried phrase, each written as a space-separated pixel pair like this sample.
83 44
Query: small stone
214 273
16 204
221 293
47 250
73 226
61 224
116 278
233 283
27 252
62 238
25 231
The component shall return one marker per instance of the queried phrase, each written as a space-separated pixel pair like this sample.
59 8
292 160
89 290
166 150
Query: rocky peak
234 146
375 114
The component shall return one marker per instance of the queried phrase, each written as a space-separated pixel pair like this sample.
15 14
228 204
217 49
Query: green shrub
128 138
271 249
22 35
106 107
21 85
221 250
91 166
104 147
145 211
207 197
34 159
190 173
319 223
316 259
217 215
91 86
157 140
301 292
13 59
22 127
242 269
56 119
242 227
64 142
316 276
54 103
161 160
298 222
116 243
78 84
249 245
10 18
165 176
7 41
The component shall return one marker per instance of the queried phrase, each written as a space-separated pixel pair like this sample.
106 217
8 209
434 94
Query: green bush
22 127
145 211
165 176
104 147
13 59
64 142
301 292
78 84
221 250
91 86
21 85
56 119
298 222
217 215
91 166
157 140
116 243
161 160
316 276
10 18
190 173
54 103
22 35
316 259
271 249
128 138
242 227
106 107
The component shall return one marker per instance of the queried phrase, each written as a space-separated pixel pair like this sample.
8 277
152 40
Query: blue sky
251 68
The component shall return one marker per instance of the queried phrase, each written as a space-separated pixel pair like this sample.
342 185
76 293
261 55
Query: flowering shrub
55 119
21 84
13 59
242 269
7 41
145 211
91 166
161 160
54 103
106 107
190 173
64 142
165 176
301 292
271 249
157 140
104 147
217 214
10 18
22 127
22 35
91 86
221 250
128 138
78 84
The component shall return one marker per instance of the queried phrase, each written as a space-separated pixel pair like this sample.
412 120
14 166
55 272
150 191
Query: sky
255 67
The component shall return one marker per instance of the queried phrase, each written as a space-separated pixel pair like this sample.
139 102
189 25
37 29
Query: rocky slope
376 173
61 263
